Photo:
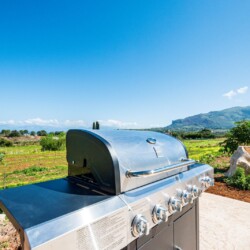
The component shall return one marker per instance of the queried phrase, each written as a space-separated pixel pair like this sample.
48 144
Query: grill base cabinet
180 232
129 190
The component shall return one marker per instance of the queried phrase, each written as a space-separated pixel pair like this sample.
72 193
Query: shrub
208 158
30 171
2 155
239 180
248 182
5 143
53 143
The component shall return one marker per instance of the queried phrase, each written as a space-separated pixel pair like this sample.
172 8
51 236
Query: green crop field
28 164
199 148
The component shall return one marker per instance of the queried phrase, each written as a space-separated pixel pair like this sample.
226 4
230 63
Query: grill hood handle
148 173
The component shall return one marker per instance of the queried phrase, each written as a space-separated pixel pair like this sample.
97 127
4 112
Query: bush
5 143
30 171
239 180
207 158
248 182
2 155
53 143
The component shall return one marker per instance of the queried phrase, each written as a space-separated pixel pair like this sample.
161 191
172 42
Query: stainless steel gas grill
125 190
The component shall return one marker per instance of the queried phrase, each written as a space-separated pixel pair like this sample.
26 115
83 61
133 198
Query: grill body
125 190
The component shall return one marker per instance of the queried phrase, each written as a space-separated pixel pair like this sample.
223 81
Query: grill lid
116 161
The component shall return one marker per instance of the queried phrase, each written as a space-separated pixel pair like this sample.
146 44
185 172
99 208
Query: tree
96 125
33 133
5 132
59 133
21 132
206 133
14 133
41 133
239 135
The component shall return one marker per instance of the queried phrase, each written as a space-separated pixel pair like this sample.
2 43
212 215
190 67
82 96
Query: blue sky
125 63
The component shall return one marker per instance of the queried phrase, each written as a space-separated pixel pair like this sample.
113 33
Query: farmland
199 148
28 164
209 151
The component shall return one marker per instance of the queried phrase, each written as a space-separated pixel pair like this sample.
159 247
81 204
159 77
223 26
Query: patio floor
224 223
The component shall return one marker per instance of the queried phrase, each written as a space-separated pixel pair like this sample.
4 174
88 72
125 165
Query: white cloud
40 122
233 93
67 123
77 123
230 94
43 122
117 123
242 90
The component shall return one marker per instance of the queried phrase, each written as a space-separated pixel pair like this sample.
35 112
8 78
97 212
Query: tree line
202 134
25 132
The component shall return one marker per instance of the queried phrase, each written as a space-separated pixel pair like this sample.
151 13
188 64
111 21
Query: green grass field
28 164
199 148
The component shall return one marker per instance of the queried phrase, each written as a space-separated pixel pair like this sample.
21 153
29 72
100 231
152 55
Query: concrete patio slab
224 223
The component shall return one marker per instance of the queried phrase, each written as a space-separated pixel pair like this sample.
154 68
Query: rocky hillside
222 120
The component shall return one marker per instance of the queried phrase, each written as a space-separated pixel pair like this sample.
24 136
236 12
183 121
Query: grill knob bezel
140 226
159 214
206 182
175 205
185 196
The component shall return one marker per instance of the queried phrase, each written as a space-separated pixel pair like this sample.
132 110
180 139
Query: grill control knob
159 214
206 182
185 196
175 205
194 190
140 226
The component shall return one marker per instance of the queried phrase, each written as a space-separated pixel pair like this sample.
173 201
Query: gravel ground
224 223
9 238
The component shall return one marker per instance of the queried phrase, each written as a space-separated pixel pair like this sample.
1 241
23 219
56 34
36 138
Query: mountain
222 120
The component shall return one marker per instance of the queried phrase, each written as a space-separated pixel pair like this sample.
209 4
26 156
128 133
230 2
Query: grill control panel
159 206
